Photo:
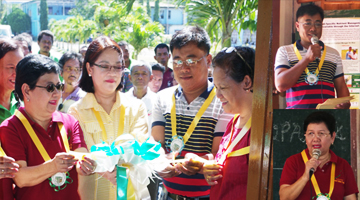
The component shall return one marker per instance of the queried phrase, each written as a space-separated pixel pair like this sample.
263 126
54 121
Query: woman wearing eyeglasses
39 138
333 177
233 72
105 113
70 64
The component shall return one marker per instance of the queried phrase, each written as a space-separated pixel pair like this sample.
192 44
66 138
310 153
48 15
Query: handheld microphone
315 154
315 40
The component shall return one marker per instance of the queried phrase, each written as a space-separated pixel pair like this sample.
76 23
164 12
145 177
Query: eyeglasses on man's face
70 69
189 62
311 24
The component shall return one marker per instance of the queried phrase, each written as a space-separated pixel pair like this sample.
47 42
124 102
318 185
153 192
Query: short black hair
70 56
321 117
7 45
161 46
309 9
158 67
28 39
191 34
233 65
30 69
46 32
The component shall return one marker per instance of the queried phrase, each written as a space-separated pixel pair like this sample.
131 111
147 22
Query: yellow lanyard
2 152
36 139
320 64
239 152
196 118
121 123
313 179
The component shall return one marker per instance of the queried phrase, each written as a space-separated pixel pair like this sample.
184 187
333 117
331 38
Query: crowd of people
51 107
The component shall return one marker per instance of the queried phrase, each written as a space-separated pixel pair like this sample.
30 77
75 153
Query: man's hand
313 52
170 171
192 166
343 106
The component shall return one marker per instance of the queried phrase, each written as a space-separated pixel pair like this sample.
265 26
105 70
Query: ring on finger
2 171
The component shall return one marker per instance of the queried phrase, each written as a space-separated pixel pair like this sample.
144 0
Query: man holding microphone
309 71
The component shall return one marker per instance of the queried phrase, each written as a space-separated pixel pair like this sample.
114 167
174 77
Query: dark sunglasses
51 87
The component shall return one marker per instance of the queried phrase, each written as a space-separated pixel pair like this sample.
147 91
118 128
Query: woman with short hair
39 138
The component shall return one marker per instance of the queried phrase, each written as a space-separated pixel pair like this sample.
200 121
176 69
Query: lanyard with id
59 180
311 78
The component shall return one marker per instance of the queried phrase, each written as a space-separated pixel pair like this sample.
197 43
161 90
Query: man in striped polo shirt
174 112
307 70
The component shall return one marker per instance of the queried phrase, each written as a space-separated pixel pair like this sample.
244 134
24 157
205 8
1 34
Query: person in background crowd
127 63
45 41
174 82
233 79
70 65
162 56
83 50
29 40
22 43
10 55
309 73
140 76
157 72
47 170
177 107
100 111
334 175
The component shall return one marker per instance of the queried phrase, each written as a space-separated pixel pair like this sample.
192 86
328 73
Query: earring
27 99
89 75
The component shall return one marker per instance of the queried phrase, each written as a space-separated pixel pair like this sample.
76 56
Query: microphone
315 154
315 40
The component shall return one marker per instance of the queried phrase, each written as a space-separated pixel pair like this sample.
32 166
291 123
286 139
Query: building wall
57 10
169 17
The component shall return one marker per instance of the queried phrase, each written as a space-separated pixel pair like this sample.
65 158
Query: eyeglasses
320 135
189 62
75 69
310 24
51 87
107 68
231 49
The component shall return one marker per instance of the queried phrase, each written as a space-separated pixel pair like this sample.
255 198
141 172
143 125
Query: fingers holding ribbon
212 172
87 166
8 167
63 162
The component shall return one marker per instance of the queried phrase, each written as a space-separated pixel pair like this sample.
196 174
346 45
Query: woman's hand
212 172
111 176
63 162
86 166
312 163
8 167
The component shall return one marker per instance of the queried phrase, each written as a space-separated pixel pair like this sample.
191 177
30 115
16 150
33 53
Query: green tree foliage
148 9
19 21
83 8
4 20
221 17
43 15
157 11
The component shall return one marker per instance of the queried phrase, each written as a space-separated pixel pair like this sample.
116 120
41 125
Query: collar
301 48
179 92
56 117
44 55
14 104
89 101
333 157
76 94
